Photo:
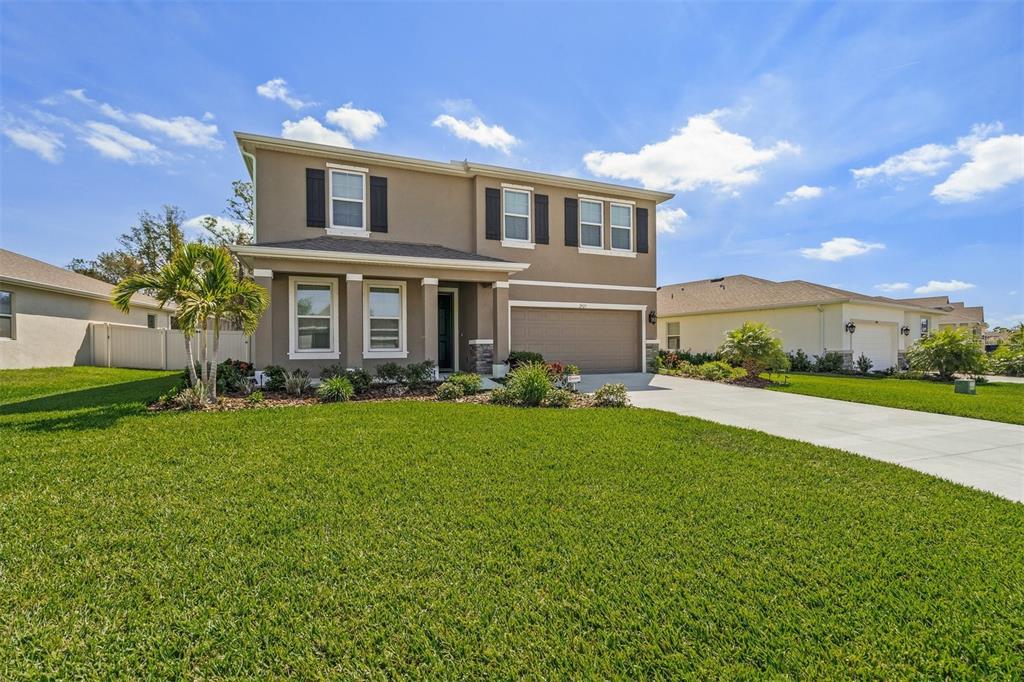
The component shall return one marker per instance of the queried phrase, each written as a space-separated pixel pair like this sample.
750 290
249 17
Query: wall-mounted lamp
652 317
850 327
905 330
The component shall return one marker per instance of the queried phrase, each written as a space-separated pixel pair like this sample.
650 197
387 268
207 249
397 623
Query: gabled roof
19 269
248 142
744 292
958 312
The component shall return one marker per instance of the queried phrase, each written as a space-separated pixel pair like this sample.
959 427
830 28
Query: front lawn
1000 402
422 539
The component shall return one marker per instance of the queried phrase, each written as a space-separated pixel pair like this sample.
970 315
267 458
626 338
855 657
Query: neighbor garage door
595 340
878 342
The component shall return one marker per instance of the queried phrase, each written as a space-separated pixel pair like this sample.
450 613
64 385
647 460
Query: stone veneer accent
847 358
901 360
481 357
650 353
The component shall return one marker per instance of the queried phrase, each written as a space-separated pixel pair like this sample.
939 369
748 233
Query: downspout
251 158
821 327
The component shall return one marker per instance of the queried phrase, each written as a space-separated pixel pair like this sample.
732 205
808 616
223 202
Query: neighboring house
957 315
807 316
45 312
371 258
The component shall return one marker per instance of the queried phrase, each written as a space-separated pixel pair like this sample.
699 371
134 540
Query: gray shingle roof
379 247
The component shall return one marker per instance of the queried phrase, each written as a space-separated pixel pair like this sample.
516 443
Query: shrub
671 359
864 364
754 347
523 357
335 390
191 397
830 362
502 396
390 371
558 397
233 376
715 371
529 383
947 352
274 379
419 374
1008 358
254 398
799 361
450 390
469 382
296 382
359 378
611 395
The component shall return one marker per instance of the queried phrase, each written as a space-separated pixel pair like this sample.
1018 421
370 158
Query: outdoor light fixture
652 317
905 330
851 327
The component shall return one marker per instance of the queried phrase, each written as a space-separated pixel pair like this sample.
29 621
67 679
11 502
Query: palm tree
220 294
169 285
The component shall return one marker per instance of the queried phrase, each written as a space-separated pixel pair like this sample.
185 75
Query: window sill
347 232
517 244
384 354
326 355
607 252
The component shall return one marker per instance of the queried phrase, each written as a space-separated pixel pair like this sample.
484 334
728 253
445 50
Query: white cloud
928 159
361 124
308 129
994 163
801 193
46 144
115 143
277 88
195 225
669 219
838 248
475 130
183 130
892 287
700 154
107 110
937 287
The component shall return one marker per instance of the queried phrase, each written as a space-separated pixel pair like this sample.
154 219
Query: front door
445 331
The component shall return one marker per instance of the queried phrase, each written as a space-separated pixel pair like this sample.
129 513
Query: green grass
418 539
995 401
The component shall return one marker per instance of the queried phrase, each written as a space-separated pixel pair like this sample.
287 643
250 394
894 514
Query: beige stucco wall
51 329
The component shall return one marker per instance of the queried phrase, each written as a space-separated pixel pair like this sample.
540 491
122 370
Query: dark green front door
445 331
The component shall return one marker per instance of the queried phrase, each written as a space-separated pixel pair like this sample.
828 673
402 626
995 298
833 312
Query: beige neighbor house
957 315
45 313
807 316
372 258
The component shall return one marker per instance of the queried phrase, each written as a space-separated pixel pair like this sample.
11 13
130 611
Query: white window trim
590 248
594 251
403 349
294 353
612 227
677 336
338 230
14 330
511 241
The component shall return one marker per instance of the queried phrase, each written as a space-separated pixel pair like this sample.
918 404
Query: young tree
754 346
948 352
145 248
240 223
1008 358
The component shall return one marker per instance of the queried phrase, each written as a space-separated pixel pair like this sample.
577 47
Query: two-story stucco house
373 258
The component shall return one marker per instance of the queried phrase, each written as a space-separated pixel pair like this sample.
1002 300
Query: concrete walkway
982 454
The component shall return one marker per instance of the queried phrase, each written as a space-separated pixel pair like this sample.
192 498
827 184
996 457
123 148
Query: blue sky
854 145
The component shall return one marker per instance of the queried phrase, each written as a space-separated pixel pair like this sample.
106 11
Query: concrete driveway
982 454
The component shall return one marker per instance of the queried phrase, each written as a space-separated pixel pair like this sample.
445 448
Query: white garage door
595 340
878 342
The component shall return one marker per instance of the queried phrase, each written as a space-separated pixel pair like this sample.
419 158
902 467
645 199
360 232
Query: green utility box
964 386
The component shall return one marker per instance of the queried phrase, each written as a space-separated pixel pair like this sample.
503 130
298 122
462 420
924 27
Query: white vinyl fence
121 345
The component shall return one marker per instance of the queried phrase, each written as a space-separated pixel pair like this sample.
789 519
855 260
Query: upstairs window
672 337
517 215
591 224
622 227
6 315
348 200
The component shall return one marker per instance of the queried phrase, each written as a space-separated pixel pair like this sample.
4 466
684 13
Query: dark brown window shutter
378 204
641 230
492 213
572 226
540 209
316 198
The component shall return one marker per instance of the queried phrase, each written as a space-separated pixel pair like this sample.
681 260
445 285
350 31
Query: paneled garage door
596 340
878 342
